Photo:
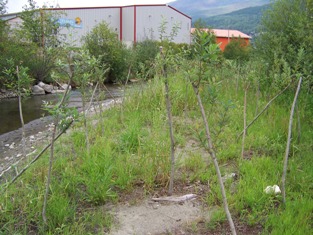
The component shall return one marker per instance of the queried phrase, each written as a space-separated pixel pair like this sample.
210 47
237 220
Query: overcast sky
17 5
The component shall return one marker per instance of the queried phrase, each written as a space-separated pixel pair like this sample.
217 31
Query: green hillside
203 8
245 20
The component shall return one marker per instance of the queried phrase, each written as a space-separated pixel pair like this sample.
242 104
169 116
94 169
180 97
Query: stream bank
37 126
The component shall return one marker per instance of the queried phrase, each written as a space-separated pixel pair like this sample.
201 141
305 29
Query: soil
154 218
138 214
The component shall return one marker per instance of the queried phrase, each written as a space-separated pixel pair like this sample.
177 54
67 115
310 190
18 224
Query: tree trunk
44 217
213 156
21 113
170 124
100 111
56 121
85 122
258 93
288 142
244 124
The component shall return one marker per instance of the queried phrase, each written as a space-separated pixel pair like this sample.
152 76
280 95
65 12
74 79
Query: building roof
226 33
12 15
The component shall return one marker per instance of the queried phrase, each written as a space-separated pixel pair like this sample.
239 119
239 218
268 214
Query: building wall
128 21
15 22
131 23
150 18
224 41
89 17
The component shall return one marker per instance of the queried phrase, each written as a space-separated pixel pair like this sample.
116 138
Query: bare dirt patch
154 218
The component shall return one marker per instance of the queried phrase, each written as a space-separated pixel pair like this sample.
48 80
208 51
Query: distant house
224 36
132 24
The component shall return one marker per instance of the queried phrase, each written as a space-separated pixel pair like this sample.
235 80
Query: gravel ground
38 134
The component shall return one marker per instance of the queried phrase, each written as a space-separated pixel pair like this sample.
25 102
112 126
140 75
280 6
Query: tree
38 31
3 7
286 34
20 82
205 54
103 43
85 69
237 49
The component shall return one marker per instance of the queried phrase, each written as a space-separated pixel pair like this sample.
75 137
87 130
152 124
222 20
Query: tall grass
134 151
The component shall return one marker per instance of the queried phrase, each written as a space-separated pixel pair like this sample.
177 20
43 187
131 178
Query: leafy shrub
144 54
103 42
237 49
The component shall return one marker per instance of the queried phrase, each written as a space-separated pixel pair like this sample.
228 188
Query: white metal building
132 24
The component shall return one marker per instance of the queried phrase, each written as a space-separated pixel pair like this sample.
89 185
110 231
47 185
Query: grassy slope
134 150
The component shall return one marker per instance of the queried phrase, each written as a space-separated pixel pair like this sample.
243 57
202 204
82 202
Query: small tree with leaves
165 60
39 31
84 67
205 54
103 43
20 82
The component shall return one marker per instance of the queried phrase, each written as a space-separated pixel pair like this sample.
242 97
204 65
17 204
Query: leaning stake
213 156
283 187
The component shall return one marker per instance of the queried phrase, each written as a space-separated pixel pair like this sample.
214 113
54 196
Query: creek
32 108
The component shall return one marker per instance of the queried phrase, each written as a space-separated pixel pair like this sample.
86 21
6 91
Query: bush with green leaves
286 34
237 49
33 44
208 41
144 54
103 43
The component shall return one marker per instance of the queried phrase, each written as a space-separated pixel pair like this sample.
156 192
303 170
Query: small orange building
224 36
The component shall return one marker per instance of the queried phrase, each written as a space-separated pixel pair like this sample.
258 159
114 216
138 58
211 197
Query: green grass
135 147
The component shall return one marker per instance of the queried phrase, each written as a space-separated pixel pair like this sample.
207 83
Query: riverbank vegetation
134 150
237 111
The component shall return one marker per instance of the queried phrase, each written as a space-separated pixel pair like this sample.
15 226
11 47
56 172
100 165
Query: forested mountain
206 8
245 20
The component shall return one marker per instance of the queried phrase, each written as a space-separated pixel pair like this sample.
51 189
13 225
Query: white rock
64 86
37 90
272 189
229 176
12 146
48 88
7 145
18 155
41 84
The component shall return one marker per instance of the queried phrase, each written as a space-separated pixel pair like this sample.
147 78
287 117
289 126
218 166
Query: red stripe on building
135 25
121 24
179 11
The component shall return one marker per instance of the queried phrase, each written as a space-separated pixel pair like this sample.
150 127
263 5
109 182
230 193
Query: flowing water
32 108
